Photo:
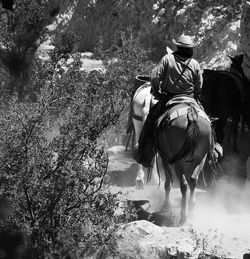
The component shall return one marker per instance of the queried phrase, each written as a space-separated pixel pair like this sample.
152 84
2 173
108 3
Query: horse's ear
237 58
169 51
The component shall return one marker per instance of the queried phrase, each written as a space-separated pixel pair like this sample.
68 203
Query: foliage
129 60
123 64
158 22
104 19
58 185
21 33
204 243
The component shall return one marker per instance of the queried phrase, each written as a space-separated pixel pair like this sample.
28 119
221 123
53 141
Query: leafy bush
123 64
58 185
57 182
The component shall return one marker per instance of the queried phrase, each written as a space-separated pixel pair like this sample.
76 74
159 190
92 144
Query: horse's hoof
165 209
191 206
139 184
183 220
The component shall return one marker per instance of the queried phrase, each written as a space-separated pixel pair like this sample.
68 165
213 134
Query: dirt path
220 220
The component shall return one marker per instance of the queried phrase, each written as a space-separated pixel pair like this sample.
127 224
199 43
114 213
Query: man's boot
145 152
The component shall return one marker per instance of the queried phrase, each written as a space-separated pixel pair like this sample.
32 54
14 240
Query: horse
141 102
183 141
236 66
182 144
223 94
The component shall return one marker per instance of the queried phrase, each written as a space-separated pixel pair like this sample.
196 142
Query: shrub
58 185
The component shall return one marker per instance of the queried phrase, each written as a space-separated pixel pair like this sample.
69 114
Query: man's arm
157 76
198 83
155 82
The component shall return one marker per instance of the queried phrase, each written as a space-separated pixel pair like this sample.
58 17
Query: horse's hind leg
219 129
167 187
183 188
192 185
236 122
192 182
139 181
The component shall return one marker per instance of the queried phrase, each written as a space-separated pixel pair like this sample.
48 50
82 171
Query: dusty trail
220 220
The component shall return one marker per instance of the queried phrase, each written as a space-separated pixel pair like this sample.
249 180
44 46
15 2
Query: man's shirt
169 70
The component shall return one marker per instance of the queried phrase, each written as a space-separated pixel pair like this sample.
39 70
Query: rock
142 239
150 241
115 150
124 177
216 229
122 168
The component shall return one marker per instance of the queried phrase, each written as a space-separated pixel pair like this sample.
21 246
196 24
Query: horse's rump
141 82
186 131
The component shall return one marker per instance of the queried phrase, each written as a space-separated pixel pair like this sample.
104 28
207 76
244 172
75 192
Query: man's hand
155 93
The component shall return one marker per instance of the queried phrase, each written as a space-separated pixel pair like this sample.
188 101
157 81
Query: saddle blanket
171 114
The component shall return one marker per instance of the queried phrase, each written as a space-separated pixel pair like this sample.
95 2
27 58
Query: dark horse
183 139
223 96
236 65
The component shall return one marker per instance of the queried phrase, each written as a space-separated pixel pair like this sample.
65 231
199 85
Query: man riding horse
177 74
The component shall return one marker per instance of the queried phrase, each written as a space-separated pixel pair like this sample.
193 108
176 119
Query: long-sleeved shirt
167 75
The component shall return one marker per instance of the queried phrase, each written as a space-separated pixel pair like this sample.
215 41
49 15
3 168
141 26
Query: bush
123 64
58 185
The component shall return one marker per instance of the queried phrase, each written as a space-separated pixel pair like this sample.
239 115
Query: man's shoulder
195 63
168 58
194 60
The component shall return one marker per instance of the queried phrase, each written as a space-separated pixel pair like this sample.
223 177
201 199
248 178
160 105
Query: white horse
141 103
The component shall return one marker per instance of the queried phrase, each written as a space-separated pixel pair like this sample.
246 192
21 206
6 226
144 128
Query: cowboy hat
184 41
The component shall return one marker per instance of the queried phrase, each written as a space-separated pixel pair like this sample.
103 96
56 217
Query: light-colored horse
141 103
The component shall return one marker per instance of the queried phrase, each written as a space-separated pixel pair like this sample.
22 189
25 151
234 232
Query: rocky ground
219 225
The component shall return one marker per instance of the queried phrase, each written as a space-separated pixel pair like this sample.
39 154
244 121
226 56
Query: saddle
191 109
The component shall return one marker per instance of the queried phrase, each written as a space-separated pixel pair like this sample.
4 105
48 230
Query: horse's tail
130 125
191 141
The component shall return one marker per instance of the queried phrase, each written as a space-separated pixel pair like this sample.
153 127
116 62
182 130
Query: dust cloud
226 207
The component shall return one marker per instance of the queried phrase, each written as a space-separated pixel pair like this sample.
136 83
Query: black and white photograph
124 129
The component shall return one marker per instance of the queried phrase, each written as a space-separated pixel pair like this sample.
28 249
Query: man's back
178 74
